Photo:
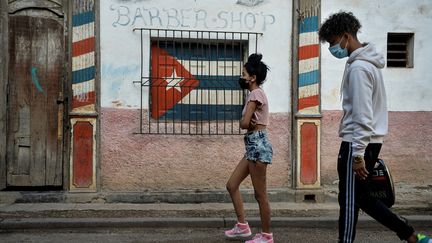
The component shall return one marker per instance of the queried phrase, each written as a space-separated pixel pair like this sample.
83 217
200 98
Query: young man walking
362 128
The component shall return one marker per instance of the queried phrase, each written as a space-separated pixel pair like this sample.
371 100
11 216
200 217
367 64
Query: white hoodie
365 118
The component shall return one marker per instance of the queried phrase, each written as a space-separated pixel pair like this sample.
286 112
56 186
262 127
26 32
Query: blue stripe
213 82
308 78
83 75
82 18
203 112
218 82
203 52
309 24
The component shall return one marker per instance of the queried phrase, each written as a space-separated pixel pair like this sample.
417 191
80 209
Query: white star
174 81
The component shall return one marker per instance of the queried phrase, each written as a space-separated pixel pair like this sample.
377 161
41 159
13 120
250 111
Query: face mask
244 84
337 51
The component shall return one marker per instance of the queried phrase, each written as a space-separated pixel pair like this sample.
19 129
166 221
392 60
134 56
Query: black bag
381 184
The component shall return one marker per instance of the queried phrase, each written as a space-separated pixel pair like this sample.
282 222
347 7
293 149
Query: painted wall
139 162
120 46
409 90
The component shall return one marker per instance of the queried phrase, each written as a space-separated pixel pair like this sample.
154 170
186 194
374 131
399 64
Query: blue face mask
337 51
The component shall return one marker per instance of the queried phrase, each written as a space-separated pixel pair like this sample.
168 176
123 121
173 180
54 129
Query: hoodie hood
367 53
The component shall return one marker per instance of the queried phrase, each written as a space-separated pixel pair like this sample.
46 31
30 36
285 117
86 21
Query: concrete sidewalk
33 210
97 215
93 223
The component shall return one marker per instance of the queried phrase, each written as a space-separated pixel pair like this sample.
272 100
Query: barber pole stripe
83 32
308 55
83 55
83 118
89 85
309 102
83 18
83 46
309 65
308 38
309 91
306 52
308 121
83 61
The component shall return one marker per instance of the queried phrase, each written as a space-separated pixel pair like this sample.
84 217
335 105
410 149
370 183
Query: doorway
35 109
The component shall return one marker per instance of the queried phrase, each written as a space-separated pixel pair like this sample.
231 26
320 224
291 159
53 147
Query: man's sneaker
239 230
261 238
423 239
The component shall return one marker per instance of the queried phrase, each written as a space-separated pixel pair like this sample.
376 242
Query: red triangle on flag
170 81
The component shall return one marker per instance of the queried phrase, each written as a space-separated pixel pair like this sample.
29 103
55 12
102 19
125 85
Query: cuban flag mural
196 80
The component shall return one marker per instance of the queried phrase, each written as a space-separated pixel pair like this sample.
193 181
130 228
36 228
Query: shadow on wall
139 162
406 149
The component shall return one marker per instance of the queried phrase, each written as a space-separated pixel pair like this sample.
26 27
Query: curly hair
337 24
254 66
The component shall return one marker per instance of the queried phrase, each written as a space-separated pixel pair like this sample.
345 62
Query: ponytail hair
254 66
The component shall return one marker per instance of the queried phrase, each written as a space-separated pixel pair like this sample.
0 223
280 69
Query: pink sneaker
261 238
239 230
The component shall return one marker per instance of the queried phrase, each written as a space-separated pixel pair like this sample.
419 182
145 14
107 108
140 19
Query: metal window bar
190 85
398 49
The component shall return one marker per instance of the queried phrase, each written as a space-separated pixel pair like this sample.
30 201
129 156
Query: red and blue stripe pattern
196 81
308 55
83 55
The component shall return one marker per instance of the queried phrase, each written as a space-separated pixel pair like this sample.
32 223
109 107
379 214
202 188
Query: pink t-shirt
261 114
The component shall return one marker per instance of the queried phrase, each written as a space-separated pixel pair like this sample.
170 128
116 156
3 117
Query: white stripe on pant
351 188
349 200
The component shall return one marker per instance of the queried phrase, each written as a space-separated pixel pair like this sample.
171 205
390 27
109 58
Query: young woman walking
255 118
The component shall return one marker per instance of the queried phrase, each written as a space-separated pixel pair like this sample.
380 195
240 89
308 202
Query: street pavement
204 235
94 222
99 221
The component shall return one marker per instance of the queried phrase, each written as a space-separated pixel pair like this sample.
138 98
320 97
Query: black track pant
353 194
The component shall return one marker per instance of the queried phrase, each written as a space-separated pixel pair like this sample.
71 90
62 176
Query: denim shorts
258 147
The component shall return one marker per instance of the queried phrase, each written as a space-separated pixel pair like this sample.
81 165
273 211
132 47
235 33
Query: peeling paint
35 80
425 10
131 1
117 103
250 3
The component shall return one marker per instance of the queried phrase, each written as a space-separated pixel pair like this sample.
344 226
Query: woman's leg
233 187
258 173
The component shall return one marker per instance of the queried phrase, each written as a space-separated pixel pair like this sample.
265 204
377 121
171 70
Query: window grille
190 80
400 47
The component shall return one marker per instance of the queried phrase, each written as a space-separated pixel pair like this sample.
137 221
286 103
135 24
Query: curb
100 223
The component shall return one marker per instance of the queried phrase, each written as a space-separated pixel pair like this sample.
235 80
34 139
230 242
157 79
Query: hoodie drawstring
343 81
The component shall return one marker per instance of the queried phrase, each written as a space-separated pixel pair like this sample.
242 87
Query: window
400 50
192 83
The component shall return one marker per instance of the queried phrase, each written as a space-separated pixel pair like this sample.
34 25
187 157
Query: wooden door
35 109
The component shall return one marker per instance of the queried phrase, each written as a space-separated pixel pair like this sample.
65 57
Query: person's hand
359 167
252 125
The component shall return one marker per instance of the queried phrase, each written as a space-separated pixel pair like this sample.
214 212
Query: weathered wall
136 162
120 53
408 89
407 147
3 81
